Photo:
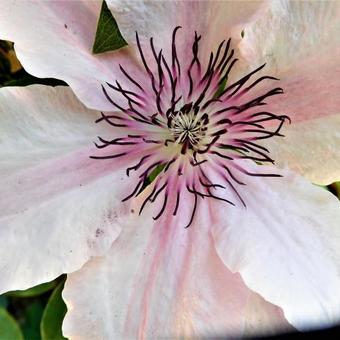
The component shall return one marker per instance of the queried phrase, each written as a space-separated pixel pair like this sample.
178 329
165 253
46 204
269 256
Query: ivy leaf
9 328
108 37
53 316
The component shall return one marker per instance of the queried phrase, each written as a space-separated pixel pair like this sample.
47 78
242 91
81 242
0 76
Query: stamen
181 126
175 61
177 203
130 78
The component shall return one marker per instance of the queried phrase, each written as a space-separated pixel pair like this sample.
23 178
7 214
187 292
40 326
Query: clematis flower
219 243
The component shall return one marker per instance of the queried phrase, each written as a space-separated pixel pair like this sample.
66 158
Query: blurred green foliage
12 73
9 328
22 78
53 315
33 314
5 64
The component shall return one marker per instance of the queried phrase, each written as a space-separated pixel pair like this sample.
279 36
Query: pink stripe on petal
160 282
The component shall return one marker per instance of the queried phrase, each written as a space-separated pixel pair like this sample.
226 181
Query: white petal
285 245
40 122
310 148
55 38
291 32
58 207
214 20
263 318
300 43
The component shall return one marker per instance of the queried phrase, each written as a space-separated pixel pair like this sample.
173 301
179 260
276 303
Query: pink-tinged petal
311 88
40 122
310 148
58 207
285 245
214 20
159 280
290 32
300 43
55 38
263 318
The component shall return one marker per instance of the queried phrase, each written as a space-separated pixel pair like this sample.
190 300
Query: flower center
187 128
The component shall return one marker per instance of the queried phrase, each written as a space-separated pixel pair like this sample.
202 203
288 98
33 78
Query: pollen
188 129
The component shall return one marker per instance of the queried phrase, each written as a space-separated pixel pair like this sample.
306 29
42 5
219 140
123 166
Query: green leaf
155 172
31 322
325 187
336 186
22 78
108 36
242 34
53 316
221 87
3 301
9 329
153 175
34 291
